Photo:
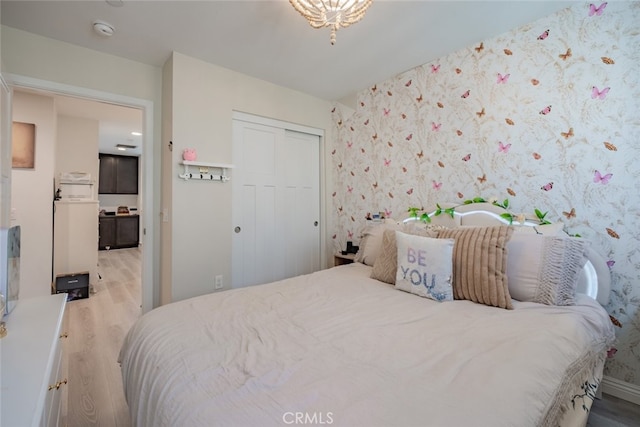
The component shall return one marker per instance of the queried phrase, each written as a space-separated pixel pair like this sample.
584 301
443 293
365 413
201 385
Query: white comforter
338 348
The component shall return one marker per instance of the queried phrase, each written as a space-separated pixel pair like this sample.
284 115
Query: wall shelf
200 170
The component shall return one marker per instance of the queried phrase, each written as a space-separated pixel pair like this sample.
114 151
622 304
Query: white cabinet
32 383
75 238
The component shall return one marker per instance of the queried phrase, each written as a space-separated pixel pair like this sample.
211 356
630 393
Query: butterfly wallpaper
547 115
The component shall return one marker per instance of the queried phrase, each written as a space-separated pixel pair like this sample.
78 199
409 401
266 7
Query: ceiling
271 41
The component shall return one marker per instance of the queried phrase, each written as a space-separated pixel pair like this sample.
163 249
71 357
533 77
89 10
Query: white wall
204 97
32 195
37 57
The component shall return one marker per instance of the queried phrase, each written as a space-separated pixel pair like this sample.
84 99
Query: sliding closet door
276 204
301 203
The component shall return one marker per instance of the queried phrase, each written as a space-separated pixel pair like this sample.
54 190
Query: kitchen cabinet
118 174
118 232
107 232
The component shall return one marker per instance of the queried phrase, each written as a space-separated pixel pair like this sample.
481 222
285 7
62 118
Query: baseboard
621 389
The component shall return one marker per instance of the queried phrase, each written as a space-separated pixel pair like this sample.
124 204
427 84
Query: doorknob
315 223
237 229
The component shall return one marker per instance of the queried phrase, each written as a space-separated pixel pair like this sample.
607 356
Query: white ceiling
271 41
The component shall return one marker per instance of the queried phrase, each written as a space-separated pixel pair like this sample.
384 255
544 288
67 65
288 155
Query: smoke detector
103 28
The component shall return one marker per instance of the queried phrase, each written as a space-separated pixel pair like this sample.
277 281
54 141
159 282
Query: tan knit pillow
480 263
385 266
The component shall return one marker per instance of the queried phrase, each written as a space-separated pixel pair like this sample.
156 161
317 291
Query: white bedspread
339 348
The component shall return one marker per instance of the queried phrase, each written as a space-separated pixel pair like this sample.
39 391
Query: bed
340 347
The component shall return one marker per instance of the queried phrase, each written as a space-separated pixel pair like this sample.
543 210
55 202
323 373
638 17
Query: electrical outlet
218 282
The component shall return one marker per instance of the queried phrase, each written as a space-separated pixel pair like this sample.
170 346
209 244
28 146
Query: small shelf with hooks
201 171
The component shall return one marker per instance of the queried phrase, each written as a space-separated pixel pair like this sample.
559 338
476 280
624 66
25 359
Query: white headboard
595 278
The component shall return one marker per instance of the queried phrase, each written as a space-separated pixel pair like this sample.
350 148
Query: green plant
421 215
541 216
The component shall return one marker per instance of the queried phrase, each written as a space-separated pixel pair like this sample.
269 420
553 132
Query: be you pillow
425 266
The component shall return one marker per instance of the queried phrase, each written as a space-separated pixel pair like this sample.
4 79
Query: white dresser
31 376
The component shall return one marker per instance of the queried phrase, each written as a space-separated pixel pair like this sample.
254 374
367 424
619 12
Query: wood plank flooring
97 326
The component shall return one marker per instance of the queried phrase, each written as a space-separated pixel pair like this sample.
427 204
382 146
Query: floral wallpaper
547 116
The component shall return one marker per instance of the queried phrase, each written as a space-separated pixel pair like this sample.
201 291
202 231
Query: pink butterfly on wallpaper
546 110
502 148
603 179
435 68
610 263
410 191
349 189
387 213
407 84
350 234
544 35
408 138
349 144
387 162
386 111
593 10
466 94
547 187
503 79
435 127
467 157
600 94
436 185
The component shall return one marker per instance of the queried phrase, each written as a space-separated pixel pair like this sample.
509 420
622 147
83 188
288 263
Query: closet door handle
237 230
315 223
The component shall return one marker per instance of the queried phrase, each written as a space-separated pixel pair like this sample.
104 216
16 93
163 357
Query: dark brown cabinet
118 174
118 232
107 232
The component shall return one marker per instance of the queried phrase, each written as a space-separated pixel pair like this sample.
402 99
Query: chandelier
331 13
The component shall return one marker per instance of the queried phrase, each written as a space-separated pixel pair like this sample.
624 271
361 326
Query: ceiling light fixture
331 13
103 28
136 133
124 147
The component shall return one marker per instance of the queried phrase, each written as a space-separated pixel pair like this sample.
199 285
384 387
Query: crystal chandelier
331 13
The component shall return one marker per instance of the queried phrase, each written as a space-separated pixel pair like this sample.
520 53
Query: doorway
147 222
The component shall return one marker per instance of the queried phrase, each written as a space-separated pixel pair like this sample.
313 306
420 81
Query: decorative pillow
425 266
480 263
384 269
371 240
545 269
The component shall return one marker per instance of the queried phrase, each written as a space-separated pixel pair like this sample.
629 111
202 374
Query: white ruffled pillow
371 240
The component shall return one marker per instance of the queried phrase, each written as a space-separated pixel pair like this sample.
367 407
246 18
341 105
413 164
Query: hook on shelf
204 171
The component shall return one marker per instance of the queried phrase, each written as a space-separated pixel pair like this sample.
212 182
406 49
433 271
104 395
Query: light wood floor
97 326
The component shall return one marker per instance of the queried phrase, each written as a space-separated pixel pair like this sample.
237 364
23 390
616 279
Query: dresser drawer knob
58 384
